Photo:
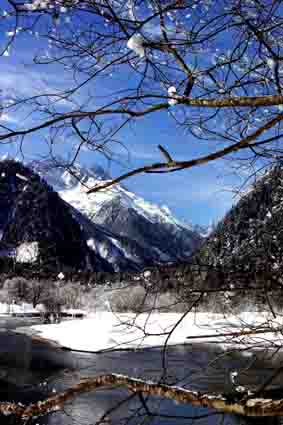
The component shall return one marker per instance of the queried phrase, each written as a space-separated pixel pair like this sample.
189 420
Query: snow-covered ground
106 330
13 308
6 309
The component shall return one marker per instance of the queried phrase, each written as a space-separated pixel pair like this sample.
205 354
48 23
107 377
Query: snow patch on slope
27 252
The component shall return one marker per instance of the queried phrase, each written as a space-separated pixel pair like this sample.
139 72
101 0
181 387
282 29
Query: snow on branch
135 43
35 5
42 5
251 407
172 94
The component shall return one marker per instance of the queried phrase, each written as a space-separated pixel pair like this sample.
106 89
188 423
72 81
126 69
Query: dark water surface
30 370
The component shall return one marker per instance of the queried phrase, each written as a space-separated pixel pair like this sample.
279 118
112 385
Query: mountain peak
48 208
62 175
143 233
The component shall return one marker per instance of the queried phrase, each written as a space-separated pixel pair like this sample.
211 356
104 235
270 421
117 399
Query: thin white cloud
6 118
20 81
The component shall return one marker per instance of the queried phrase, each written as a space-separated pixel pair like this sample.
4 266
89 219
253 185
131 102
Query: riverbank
192 365
109 331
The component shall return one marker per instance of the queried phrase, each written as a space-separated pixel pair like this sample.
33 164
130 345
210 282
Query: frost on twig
41 5
135 43
35 5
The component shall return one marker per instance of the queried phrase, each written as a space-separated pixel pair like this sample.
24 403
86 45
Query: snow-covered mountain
127 231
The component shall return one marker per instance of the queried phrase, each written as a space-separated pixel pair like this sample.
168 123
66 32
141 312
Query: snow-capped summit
61 177
72 184
144 233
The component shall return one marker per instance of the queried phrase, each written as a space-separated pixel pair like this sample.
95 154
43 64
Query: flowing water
31 369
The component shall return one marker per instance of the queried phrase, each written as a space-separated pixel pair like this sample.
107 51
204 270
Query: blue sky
200 195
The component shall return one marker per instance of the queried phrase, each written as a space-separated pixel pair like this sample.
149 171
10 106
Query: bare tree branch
257 407
179 165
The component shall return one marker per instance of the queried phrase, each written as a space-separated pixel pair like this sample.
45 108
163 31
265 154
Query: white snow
107 330
91 243
147 274
35 5
27 252
135 43
7 52
6 308
73 192
91 204
172 93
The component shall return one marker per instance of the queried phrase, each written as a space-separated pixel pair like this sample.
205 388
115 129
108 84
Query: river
31 369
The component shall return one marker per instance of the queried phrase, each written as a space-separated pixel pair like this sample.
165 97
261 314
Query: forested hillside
35 219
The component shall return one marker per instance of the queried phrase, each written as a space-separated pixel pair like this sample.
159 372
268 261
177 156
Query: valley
135 291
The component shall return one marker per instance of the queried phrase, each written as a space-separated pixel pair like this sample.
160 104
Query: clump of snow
27 252
91 243
147 274
172 94
7 51
36 5
136 43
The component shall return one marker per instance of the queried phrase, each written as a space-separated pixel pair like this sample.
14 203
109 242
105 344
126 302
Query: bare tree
37 292
71 294
212 70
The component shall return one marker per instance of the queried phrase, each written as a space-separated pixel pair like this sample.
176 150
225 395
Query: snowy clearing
26 308
107 331
13 308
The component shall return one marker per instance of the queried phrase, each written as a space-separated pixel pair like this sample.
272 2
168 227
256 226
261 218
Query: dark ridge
32 212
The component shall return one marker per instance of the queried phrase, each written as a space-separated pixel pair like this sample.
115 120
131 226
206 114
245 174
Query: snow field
108 331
